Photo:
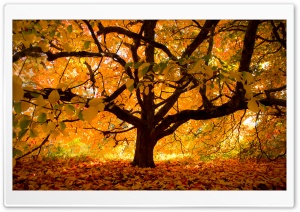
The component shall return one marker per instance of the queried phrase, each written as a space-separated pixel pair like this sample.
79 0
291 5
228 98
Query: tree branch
275 29
200 37
106 30
123 115
235 104
106 132
169 102
248 47
269 91
93 35
36 148
247 52
170 130
53 56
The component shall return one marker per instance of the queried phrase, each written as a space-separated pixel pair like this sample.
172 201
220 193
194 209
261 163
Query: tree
151 76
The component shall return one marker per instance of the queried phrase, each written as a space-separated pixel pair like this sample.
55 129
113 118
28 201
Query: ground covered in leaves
90 174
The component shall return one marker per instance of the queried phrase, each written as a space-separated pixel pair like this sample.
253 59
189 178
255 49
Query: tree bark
145 142
144 147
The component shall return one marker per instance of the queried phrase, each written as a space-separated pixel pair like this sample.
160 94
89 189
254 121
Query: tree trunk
145 143
143 156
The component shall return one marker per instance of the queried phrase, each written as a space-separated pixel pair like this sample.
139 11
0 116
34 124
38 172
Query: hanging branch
36 148
260 146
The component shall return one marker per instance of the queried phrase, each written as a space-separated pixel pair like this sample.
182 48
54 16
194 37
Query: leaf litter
92 174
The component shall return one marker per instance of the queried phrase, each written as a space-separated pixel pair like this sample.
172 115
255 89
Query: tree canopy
189 87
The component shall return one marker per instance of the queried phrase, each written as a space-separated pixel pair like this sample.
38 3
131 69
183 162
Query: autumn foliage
90 174
153 92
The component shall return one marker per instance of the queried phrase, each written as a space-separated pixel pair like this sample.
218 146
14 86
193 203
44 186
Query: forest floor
90 174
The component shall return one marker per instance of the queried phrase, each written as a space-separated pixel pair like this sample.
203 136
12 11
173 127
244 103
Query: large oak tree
153 75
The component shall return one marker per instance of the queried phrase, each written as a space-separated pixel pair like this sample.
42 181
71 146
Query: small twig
64 70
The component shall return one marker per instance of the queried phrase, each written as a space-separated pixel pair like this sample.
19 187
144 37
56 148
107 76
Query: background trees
203 86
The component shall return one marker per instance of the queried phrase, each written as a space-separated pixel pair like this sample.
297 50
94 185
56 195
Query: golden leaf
68 47
40 101
18 91
101 107
95 102
90 113
53 96
129 83
147 90
25 106
51 126
253 106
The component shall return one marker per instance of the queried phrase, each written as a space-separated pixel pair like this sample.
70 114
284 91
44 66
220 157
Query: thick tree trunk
145 143
144 147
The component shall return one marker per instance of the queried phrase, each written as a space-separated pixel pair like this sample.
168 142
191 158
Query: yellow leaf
129 83
90 113
40 101
33 133
253 106
181 187
111 143
144 65
17 37
44 24
95 102
143 69
118 186
53 96
68 47
137 186
45 128
18 91
25 106
248 77
29 37
51 126
101 107
44 47
26 44
236 75
69 110
54 134
197 66
65 133
249 93
147 90
141 88
208 71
